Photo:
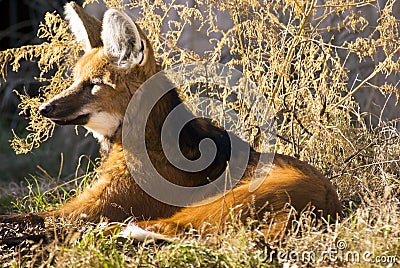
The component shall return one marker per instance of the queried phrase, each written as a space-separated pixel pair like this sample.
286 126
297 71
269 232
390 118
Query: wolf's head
118 59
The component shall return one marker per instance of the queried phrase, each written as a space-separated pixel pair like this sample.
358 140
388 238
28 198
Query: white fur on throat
103 124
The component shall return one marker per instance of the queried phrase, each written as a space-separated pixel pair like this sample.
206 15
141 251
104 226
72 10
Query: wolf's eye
94 84
96 81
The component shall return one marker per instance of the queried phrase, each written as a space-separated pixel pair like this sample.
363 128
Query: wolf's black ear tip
74 6
70 4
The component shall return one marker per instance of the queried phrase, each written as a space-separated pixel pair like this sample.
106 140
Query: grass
302 76
41 192
357 242
368 236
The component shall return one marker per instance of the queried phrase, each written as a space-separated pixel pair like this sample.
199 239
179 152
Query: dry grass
280 46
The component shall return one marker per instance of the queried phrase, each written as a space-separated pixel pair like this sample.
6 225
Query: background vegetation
292 51
19 27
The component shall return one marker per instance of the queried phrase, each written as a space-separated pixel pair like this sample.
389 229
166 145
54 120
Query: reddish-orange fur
289 182
115 194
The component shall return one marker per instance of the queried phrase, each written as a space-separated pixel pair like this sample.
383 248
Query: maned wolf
118 59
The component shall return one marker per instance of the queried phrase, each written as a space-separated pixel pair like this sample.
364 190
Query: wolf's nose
46 109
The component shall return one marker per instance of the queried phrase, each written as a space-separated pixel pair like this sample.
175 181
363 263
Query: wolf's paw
133 231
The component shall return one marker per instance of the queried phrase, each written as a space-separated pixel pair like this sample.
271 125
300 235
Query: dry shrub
54 57
280 46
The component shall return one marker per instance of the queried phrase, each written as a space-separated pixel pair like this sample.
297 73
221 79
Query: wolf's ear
86 28
121 39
